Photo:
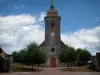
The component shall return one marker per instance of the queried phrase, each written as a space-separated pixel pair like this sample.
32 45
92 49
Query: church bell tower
52 42
52 35
52 27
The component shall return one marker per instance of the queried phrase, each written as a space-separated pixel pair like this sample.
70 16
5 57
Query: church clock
52 34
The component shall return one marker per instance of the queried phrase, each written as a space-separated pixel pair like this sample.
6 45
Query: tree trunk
32 66
38 66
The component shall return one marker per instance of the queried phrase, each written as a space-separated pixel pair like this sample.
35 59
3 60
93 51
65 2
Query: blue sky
75 14
80 22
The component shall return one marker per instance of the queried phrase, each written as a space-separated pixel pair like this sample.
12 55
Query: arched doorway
52 62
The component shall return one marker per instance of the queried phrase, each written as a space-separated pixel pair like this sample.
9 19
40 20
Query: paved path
52 72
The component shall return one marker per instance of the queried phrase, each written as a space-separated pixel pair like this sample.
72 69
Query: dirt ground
50 71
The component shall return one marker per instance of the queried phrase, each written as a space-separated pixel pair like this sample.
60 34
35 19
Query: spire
52 4
52 11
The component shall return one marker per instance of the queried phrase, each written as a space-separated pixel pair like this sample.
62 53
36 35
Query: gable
62 44
42 44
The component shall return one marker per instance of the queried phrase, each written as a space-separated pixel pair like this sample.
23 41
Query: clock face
52 34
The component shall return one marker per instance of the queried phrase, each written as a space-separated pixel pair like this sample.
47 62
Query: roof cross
52 4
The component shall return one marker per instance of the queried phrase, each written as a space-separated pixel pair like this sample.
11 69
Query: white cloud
19 6
84 38
16 31
42 15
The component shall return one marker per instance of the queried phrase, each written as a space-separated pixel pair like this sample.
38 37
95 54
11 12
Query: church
52 43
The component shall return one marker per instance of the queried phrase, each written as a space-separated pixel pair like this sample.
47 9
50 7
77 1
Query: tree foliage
68 54
85 56
16 56
30 55
71 54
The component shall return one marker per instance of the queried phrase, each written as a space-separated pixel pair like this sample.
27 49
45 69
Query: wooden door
52 62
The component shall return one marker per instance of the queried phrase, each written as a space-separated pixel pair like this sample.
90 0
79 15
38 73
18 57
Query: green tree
67 55
30 55
16 56
62 55
85 56
31 50
23 56
78 51
71 55
34 55
40 57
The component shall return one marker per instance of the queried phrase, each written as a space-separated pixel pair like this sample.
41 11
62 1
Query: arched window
52 49
52 24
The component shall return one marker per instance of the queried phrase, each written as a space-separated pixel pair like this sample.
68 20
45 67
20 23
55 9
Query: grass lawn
23 68
79 69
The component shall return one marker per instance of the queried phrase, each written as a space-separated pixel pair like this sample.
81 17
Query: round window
52 49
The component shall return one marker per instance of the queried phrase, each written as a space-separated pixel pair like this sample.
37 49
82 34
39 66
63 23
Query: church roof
52 11
2 54
43 44
62 44
1 50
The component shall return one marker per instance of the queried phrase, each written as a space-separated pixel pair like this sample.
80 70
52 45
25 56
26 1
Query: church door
52 62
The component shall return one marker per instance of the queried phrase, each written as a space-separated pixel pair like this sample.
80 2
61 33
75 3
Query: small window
52 24
52 49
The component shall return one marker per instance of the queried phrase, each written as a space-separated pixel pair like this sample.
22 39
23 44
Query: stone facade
10 63
96 62
52 43
6 62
